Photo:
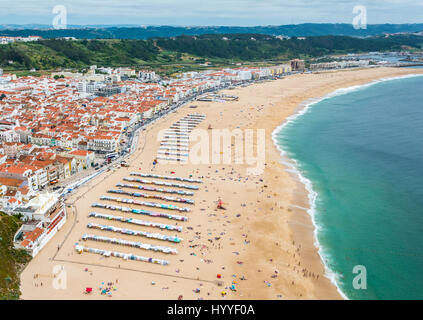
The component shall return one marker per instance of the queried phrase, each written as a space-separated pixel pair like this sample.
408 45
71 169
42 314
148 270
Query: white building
244 75
7 40
45 215
103 143
9 136
89 87
147 76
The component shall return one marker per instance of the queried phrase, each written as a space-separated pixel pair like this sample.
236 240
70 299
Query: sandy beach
263 242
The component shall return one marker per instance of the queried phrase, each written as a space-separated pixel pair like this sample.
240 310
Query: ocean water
360 152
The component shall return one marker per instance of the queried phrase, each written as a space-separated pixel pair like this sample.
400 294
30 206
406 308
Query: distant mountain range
148 32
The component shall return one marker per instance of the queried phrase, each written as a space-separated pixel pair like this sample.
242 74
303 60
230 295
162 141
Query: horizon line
123 25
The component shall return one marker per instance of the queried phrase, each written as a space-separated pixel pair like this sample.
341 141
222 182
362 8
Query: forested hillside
54 54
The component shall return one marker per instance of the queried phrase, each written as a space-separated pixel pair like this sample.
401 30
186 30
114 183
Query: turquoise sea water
363 153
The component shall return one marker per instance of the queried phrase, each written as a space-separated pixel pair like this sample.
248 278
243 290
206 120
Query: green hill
11 260
189 50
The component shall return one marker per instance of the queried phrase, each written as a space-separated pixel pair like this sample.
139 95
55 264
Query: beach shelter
220 204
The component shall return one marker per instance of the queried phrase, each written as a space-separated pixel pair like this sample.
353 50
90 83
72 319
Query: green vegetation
53 54
260 47
185 53
12 261
148 32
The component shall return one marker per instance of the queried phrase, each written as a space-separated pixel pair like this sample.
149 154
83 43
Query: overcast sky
211 12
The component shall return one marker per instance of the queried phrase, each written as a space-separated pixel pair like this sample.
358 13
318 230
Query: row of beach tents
126 256
140 211
123 242
137 222
145 203
144 195
130 232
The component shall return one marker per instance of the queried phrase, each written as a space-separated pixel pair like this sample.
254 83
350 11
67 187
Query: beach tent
220 204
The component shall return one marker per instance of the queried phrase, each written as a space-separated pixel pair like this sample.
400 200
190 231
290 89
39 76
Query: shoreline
292 163
270 211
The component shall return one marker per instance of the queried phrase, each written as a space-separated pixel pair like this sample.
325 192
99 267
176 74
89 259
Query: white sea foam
293 167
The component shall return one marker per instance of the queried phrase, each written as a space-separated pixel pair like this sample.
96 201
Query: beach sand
264 236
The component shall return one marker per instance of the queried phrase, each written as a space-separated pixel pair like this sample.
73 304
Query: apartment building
103 143
45 215
297 65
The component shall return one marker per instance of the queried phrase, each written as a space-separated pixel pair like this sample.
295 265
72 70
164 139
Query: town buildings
339 65
7 40
52 128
